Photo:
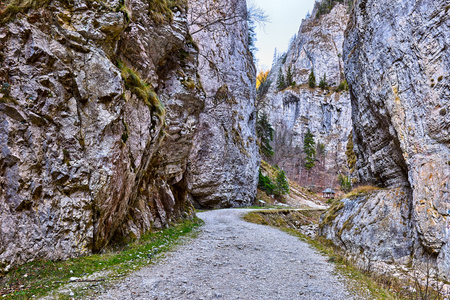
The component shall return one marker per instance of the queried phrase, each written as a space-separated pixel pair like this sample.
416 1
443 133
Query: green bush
265 184
323 82
342 87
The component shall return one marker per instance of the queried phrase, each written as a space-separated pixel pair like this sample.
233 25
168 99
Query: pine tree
281 83
265 184
309 147
264 131
282 183
345 183
289 77
312 79
323 82
275 57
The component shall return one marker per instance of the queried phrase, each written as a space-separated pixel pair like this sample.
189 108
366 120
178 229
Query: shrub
265 184
342 87
262 84
323 82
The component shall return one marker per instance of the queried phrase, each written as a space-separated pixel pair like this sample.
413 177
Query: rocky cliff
225 159
100 103
326 113
396 64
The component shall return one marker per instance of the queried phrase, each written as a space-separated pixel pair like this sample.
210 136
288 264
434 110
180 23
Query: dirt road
233 259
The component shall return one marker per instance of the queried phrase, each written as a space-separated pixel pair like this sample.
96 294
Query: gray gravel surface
233 259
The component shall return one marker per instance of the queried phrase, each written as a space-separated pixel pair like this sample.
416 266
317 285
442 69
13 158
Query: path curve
233 259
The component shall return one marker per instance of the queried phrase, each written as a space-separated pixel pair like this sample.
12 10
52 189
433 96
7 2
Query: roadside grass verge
38 278
361 283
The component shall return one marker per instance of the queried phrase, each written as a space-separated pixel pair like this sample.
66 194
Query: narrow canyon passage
233 259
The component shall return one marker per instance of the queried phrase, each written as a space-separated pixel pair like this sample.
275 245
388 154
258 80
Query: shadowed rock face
87 153
396 63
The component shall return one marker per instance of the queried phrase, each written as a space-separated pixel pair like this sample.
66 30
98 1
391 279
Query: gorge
119 117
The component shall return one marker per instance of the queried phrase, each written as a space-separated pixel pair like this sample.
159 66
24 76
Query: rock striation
100 102
396 64
317 47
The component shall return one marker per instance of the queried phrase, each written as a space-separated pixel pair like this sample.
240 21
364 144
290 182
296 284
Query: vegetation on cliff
325 6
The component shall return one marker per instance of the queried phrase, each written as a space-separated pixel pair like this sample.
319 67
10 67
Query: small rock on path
233 259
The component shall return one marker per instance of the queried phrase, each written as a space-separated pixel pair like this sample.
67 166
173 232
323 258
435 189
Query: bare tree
214 15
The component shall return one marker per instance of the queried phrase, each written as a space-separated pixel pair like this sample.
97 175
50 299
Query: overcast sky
285 18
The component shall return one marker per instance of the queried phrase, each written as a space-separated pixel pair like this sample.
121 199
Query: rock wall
396 63
100 102
327 114
225 159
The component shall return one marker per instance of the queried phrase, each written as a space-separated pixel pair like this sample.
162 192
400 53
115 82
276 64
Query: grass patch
9 9
142 90
361 190
41 277
162 10
331 213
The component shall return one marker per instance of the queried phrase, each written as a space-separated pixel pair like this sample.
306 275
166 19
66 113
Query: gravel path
233 259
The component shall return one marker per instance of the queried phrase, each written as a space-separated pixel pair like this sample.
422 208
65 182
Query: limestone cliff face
100 102
396 63
327 114
224 162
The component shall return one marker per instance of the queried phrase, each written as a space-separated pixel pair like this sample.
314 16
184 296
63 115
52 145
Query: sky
285 18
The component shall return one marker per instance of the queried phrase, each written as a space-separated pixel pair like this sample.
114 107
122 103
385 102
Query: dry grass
331 213
10 8
161 10
361 190
142 90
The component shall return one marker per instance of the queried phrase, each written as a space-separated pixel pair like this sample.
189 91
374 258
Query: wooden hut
328 193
